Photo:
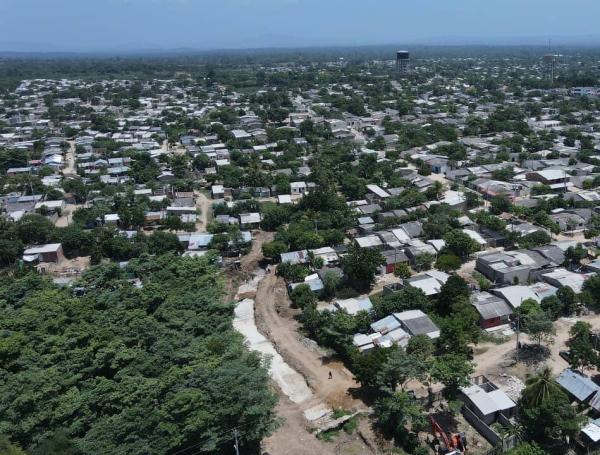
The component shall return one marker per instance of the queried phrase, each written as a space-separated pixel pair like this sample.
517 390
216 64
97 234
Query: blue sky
84 25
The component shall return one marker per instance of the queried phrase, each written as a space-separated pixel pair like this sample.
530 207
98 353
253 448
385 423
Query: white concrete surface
292 384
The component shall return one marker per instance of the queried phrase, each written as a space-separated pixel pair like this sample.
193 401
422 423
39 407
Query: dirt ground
204 204
276 321
66 267
493 358
66 216
69 168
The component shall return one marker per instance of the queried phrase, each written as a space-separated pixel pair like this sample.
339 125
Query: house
51 252
562 277
493 310
284 199
376 193
516 295
218 192
326 253
580 387
415 322
370 241
430 282
568 221
486 400
393 258
295 257
353 305
250 220
313 281
556 179
507 267
298 188
50 206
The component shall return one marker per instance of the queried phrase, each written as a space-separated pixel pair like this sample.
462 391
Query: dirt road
69 169
275 320
205 206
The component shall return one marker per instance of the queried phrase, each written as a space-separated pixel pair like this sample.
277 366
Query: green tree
6 448
552 306
361 266
402 270
539 327
460 244
538 387
452 370
529 448
423 261
35 229
447 262
546 413
302 296
331 282
568 298
574 255
421 347
367 365
273 250
454 290
500 204
582 353
400 368
398 412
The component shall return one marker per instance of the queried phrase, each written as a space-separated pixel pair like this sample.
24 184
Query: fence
500 444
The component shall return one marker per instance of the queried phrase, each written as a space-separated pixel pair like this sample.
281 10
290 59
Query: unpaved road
69 169
275 320
205 206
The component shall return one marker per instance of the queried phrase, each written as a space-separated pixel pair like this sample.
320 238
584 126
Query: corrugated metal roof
577 385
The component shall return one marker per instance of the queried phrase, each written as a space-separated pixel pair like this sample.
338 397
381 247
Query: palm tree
539 387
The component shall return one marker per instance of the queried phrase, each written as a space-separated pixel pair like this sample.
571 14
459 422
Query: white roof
354 305
48 248
401 235
515 295
246 218
369 241
475 236
377 190
49 204
488 403
552 174
592 431
111 217
284 199
430 286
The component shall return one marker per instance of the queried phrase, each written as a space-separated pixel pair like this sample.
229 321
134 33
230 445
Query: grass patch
329 435
350 425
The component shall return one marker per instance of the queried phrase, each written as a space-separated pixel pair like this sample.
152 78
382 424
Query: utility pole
518 327
236 445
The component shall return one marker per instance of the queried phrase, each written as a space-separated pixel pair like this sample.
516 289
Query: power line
233 431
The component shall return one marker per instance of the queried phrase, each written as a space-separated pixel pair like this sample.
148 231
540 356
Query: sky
136 25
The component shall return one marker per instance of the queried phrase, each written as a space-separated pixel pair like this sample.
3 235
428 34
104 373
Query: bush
292 272
447 262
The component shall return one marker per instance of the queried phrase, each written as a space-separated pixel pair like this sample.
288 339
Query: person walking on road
330 375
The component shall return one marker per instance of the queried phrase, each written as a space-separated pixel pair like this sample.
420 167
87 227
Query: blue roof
577 385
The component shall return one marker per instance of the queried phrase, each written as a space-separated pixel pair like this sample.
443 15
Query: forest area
135 360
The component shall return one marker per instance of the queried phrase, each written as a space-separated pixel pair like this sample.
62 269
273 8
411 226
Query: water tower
402 63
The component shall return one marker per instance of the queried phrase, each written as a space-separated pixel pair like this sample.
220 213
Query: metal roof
577 385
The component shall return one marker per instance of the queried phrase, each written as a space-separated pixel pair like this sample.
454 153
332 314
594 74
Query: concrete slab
292 383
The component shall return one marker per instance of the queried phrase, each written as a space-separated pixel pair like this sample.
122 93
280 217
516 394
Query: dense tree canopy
141 369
